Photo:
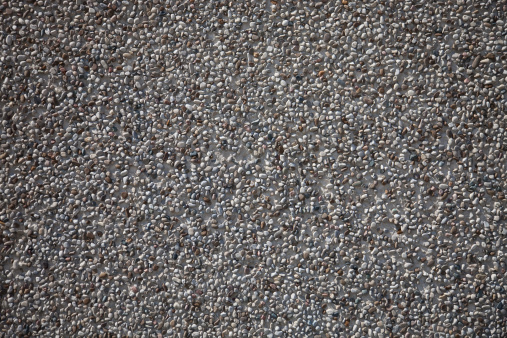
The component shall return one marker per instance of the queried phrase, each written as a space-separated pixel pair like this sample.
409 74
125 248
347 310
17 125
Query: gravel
253 168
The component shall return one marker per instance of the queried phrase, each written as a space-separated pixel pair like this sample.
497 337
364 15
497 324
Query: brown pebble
476 61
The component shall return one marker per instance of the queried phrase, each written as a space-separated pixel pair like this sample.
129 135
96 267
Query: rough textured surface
266 168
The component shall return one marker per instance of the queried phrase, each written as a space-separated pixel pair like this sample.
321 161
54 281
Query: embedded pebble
250 168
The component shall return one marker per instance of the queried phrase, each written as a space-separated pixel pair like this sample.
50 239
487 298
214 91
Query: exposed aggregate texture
253 168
